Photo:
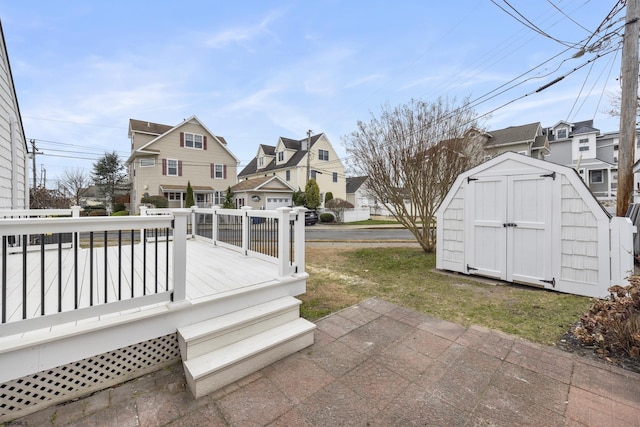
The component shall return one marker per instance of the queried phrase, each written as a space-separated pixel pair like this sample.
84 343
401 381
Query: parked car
310 217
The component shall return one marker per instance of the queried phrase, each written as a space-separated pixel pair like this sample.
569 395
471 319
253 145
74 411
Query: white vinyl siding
453 244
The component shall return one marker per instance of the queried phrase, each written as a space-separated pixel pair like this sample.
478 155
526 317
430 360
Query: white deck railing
113 264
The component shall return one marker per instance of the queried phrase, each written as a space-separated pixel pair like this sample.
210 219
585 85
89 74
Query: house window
260 161
218 172
218 198
323 154
281 156
147 162
615 154
173 196
561 133
287 175
335 177
192 140
584 144
172 167
313 174
239 203
596 177
614 176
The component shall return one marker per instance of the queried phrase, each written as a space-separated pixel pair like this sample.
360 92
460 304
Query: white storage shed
524 220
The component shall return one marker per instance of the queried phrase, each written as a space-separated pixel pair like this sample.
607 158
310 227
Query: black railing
53 278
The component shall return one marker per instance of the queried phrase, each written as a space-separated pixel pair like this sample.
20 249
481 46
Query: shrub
119 207
613 325
328 196
327 217
120 213
338 207
98 212
157 201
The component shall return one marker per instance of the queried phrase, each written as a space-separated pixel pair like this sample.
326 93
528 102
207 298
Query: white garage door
277 202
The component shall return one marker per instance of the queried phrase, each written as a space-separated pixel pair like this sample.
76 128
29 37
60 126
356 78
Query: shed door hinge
470 268
551 175
510 224
469 179
552 282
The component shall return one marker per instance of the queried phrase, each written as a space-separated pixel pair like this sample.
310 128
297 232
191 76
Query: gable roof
513 135
264 183
147 127
159 127
354 183
252 167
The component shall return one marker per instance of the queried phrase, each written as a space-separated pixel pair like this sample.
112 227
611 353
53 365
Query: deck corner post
214 225
246 224
75 211
194 226
283 241
180 254
299 238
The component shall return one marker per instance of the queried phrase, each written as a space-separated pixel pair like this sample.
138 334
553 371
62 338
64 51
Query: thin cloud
242 35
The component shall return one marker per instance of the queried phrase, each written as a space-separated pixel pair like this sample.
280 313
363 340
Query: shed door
488 235
510 227
529 231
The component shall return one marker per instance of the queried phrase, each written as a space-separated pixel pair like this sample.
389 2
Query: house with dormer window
293 161
164 159
593 154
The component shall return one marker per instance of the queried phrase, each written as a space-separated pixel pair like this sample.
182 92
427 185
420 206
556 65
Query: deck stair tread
212 362
218 351
212 334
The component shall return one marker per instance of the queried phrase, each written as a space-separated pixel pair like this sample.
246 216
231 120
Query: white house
529 221
14 154
293 160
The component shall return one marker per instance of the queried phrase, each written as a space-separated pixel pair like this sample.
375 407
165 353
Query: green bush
328 196
98 212
120 213
157 201
119 207
327 217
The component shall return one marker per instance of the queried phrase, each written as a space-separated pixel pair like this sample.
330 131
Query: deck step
218 368
212 334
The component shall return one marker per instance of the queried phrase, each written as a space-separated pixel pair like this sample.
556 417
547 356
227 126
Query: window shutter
224 171
179 167
204 142
181 139
212 170
164 166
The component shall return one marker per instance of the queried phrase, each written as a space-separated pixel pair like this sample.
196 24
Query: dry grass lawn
405 276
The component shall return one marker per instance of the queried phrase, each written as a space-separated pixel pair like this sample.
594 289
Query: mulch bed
570 343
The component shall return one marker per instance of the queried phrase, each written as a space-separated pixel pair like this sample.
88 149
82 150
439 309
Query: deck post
246 224
283 241
180 254
194 226
298 255
143 212
214 225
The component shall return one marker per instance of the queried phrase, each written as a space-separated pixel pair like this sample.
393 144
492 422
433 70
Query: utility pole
308 155
628 107
34 151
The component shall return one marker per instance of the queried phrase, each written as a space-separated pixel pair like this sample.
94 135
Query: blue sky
253 71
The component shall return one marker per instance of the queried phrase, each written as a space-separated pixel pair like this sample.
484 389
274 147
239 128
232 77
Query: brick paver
378 364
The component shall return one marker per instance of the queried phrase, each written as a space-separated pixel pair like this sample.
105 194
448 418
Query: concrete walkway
377 364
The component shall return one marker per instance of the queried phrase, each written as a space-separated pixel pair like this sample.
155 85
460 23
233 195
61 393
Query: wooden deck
211 270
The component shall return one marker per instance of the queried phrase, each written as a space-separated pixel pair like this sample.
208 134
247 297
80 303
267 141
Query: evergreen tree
189 202
228 199
312 193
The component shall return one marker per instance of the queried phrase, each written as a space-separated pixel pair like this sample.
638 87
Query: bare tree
414 152
615 100
74 183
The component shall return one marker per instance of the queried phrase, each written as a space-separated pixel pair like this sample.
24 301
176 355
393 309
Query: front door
510 229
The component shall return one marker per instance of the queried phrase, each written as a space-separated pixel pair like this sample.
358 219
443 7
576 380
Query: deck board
210 270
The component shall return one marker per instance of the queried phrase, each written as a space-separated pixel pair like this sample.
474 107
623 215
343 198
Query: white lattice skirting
32 393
